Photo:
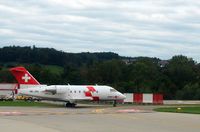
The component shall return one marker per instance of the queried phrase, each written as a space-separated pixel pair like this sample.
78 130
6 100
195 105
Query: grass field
190 109
27 104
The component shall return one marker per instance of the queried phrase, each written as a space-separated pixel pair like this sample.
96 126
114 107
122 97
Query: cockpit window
113 90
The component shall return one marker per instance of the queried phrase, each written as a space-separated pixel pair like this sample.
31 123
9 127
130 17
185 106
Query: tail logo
26 78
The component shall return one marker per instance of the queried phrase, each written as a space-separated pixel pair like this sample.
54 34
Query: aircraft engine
60 90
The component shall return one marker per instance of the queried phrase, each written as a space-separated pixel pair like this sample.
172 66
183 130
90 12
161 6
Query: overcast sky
154 28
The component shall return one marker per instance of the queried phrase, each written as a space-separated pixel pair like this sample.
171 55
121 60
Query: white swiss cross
26 78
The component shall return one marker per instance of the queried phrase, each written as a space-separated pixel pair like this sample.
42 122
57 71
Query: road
95 119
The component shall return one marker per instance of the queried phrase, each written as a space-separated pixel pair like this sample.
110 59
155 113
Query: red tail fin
23 76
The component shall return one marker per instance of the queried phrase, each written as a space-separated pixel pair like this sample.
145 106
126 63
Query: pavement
95 119
179 102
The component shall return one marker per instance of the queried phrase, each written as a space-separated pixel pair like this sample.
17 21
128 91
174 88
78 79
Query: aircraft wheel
71 105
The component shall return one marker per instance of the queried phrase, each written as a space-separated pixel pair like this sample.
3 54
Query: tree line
176 78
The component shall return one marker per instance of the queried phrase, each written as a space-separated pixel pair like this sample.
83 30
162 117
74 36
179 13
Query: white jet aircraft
70 94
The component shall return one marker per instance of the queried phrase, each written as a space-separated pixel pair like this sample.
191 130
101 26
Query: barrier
157 99
140 98
137 98
147 98
129 97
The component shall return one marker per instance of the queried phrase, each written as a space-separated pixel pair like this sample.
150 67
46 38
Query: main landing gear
70 105
114 103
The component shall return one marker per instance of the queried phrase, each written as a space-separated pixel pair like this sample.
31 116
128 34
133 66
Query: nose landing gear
114 103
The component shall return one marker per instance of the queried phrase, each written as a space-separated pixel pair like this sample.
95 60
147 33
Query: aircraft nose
122 96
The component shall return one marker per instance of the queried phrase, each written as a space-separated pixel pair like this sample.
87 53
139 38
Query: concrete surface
95 119
181 102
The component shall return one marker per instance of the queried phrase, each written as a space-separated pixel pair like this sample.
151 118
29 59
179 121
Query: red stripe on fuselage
95 98
91 88
88 94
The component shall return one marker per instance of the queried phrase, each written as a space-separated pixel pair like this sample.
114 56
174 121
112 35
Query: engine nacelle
55 90
60 90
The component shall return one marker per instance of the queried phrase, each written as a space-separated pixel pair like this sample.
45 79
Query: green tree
144 74
181 71
190 91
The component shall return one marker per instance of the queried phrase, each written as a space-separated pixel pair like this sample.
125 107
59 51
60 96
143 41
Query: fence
140 98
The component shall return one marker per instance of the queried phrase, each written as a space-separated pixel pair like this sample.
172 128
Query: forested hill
50 56
176 78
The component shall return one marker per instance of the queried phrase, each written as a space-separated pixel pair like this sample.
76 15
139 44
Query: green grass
191 110
27 104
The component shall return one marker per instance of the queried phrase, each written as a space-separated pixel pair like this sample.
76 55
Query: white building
7 90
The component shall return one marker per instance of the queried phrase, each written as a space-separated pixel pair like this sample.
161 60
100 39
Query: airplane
70 94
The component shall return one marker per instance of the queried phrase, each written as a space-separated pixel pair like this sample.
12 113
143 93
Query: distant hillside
50 56
176 78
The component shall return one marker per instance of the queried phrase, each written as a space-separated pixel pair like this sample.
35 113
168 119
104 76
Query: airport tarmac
95 119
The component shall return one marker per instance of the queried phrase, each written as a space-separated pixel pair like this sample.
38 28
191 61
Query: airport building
8 90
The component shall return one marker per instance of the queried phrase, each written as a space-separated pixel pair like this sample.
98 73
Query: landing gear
114 103
70 105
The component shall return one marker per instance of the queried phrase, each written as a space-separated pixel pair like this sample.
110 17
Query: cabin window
74 91
113 90
36 91
79 91
70 91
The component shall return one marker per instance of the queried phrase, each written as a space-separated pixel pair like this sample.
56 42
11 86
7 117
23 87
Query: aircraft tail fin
23 76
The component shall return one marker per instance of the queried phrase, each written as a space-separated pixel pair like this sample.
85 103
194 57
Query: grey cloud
129 27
